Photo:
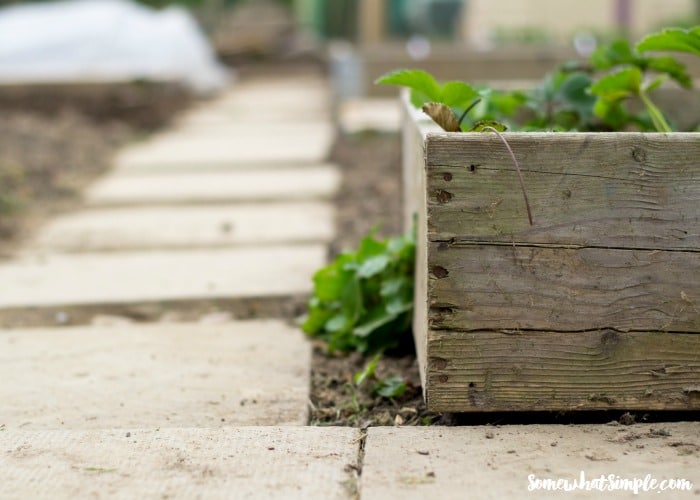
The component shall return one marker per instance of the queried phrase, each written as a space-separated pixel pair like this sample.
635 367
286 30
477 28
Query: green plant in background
632 74
673 40
575 97
364 299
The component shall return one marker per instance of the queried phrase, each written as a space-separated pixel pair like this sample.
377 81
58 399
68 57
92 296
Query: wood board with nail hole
594 306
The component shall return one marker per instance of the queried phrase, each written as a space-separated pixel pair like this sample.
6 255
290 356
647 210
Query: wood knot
639 155
447 176
609 342
440 272
439 313
438 363
443 196
610 337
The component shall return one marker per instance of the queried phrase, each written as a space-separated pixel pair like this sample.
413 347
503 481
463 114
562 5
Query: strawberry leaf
674 40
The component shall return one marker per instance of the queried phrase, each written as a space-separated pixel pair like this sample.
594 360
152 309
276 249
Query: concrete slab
238 133
356 115
155 375
132 277
187 226
234 143
263 102
264 184
294 93
257 116
271 462
502 462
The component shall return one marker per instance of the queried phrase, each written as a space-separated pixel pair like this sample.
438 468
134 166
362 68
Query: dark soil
143 106
44 162
370 193
55 140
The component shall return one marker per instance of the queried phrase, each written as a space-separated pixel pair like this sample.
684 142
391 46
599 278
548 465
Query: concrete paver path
157 375
176 226
154 275
258 184
232 203
488 462
244 462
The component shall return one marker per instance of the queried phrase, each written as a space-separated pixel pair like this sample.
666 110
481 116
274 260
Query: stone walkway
232 204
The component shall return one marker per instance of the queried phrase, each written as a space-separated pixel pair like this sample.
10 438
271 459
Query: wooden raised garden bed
595 306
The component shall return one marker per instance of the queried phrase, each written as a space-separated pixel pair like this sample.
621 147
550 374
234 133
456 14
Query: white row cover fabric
105 40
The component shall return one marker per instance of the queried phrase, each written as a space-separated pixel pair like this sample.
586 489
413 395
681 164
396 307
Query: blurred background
357 40
81 78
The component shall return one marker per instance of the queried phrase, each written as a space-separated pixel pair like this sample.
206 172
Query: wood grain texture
604 370
414 207
616 241
481 287
597 189
595 306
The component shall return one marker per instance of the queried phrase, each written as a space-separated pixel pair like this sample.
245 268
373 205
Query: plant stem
469 108
517 168
657 117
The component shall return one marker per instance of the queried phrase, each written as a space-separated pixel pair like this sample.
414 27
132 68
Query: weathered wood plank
595 306
414 212
613 190
480 287
488 371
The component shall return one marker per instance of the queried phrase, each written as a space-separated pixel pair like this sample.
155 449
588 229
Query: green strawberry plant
673 40
363 301
574 97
